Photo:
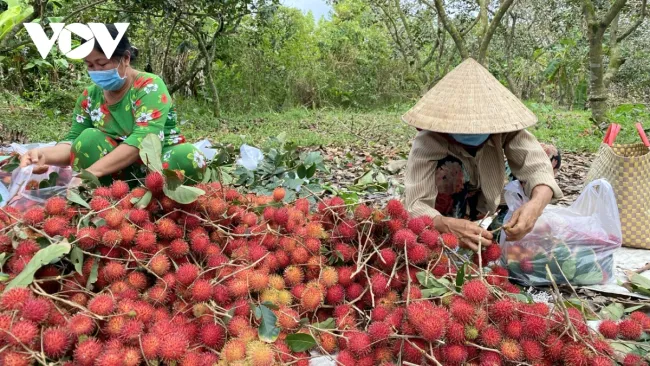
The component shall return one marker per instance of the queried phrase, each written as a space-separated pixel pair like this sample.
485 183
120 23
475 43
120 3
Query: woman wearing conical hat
469 125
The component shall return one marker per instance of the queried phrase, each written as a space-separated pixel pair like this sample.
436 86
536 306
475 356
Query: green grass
570 130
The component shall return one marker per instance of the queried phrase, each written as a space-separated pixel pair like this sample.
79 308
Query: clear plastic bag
576 243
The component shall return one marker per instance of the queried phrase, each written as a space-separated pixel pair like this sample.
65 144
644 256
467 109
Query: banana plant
17 11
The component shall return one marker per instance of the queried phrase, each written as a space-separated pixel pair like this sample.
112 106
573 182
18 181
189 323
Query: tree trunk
214 93
597 90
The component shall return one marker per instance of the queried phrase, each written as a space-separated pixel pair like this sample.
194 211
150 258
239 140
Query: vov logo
91 33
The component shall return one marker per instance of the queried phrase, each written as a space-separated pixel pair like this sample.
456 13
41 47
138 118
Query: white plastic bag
576 243
250 157
205 146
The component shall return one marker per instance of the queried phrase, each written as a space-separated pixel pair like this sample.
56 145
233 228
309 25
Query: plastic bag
250 157
576 243
205 146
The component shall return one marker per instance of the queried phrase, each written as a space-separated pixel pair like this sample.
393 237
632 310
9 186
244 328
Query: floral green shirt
145 108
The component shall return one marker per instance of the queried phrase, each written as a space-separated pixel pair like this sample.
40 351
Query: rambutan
511 351
411 350
642 319
55 225
293 275
475 291
234 350
454 354
379 331
353 291
395 209
430 320
311 298
113 271
167 229
159 264
386 258
455 332
630 330
87 238
111 357
114 218
34 216
462 311
128 233
632 359
15 298
56 342
450 240
362 212
81 324
359 343
22 332
379 284
346 230
576 355
87 352
431 238
344 275
554 347
154 182
56 206
345 251
534 326
601 361
404 237
513 329
490 337
608 328
187 273
258 280
119 189
533 350
99 204
102 305
417 253
173 348
491 253
111 238
35 309
335 295
346 358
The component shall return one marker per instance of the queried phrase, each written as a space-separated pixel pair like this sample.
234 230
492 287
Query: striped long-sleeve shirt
486 169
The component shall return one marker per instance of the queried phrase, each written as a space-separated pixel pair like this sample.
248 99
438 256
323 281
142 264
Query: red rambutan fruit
99 204
490 337
353 291
87 352
462 311
404 237
511 351
335 295
173 348
362 213
81 324
630 330
450 240
386 258
395 209
87 238
187 273
575 355
111 238
34 216
534 326
311 298
167 229
56 342
417 253
431 238
513 329
642 319
15 298
632 359
56 206
35 309
379 331
491 253
119 189
359 343
454 354
22 332
379 284
416 225
113 271
102 305
455 332
233 350
293 275
601 361
608 328
533 350
475 291
278 194
55 225
154 182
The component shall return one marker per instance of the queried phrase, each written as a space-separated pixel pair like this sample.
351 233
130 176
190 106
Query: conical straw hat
469 100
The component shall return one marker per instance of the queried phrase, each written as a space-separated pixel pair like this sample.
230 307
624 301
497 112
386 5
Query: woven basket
627 168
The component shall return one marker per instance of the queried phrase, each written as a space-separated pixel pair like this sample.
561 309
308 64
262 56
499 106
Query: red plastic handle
609 131
616 128
644 137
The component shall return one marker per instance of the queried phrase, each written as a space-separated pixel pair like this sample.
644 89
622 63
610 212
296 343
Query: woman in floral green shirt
112 117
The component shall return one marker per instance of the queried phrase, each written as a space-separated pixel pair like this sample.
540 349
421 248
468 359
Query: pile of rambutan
183 284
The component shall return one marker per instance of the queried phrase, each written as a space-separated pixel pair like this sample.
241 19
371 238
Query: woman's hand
523 220
34 157
467 232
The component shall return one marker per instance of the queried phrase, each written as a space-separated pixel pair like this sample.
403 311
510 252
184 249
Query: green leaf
92 278
301 171
144 201
613 311
42 257
434 292
300 342
270 305
151 152
268 331
3 259
329 323
639 280
74 197
89 178
229 315
627 310
206 176
77 258
569 268
310 171
366 179
183 194
4 277
460 277
589 278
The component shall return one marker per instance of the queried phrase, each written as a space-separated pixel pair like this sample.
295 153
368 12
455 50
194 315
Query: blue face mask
470 140
107 79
